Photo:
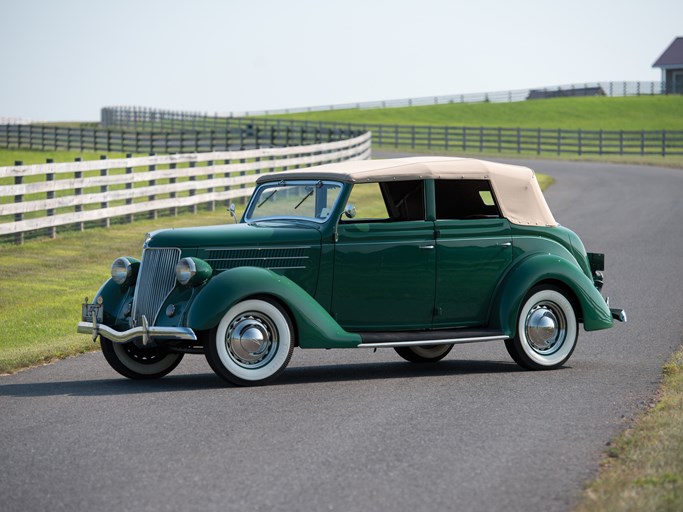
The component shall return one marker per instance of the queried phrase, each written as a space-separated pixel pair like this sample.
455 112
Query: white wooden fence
46 196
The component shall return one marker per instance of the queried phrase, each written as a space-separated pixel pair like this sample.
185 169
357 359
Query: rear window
465 199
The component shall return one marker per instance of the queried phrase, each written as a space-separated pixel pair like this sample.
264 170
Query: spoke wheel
547 330
139 363
252 344
424 354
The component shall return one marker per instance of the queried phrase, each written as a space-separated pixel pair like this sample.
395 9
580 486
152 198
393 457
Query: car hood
236 235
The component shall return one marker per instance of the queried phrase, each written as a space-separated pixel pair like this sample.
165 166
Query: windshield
296 199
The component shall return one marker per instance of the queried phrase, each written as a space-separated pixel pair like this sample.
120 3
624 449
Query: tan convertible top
519 196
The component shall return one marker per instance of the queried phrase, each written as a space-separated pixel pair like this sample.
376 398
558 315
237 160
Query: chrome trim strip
167 333
263 248
419 343
260 258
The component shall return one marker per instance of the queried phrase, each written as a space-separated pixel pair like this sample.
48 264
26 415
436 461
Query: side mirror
350 211
231 211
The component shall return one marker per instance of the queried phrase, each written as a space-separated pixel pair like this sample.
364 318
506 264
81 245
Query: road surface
363 431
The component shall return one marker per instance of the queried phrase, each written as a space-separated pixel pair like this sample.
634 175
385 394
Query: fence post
242 173
152 183
580 142
538 141
129 186
50 176
193 191
104 189
78 191
663 142
559 141
412 137
445 137
519 140
174 209
642 142
212 203
18 217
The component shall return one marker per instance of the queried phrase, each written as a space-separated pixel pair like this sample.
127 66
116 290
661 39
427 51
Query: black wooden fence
229 138
456 138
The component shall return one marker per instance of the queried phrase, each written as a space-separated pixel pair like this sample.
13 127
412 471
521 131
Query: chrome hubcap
251 340
545 328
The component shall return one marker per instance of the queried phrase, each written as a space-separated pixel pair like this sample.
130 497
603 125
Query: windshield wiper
310 193
270 195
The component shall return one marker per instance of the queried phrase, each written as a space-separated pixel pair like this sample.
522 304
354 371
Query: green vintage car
415 254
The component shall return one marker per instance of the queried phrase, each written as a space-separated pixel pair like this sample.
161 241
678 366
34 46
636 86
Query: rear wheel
252 344
139 363
425 354
547 330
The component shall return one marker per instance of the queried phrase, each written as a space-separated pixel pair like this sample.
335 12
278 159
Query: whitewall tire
547 330
252 343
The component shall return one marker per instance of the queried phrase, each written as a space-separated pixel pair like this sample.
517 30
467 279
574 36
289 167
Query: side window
368 201
465 199
388 201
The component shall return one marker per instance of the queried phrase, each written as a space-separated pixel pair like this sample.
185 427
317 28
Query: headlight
192 271
124 270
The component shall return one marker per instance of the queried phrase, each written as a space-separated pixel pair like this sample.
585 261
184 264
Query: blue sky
65 59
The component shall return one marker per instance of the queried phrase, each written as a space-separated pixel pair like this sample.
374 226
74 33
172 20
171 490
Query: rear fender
315 327
540 268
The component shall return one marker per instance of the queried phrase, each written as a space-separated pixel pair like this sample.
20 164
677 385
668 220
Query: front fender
543 268
315 327
114 297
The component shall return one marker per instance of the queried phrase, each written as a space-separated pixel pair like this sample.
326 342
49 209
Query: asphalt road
364 431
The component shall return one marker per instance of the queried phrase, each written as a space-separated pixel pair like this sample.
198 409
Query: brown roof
672 56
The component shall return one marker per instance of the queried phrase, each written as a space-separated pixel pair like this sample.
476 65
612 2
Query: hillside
627 113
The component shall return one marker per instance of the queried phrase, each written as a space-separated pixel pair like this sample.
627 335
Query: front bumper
618 314
144 332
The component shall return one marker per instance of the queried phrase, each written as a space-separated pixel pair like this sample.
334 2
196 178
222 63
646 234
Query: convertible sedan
414 254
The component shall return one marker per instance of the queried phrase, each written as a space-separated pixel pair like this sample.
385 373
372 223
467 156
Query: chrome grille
156 279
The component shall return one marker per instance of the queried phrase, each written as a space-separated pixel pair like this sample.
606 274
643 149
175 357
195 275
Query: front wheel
252 344
425 354
139 363
547 330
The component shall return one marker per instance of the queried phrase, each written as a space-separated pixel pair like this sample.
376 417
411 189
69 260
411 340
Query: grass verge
643 468
674 162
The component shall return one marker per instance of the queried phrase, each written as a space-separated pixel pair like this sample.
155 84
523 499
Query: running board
422 338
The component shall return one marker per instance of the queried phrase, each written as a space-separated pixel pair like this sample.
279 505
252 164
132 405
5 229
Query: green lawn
600 113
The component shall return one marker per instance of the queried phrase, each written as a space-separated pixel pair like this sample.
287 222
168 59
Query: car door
385 260
473 250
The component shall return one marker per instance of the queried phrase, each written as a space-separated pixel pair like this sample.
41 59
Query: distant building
537 94
671 63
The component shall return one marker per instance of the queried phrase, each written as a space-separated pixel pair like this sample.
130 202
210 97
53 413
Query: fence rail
45 196
614 88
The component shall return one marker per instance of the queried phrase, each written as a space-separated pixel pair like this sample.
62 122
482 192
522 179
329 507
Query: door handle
426 247
505 244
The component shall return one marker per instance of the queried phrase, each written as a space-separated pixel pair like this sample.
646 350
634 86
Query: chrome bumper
144 331
618 314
